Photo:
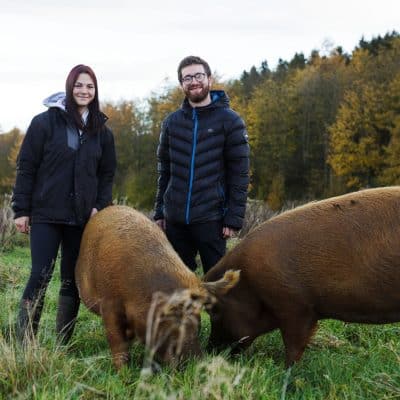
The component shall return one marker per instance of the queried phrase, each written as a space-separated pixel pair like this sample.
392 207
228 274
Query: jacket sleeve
237 173
28 163
163 170
106 171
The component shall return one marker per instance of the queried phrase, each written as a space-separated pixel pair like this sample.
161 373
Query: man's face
195 83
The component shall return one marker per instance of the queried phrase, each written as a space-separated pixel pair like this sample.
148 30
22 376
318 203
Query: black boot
28 319
67 311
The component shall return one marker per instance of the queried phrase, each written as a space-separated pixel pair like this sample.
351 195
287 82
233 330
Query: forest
319 125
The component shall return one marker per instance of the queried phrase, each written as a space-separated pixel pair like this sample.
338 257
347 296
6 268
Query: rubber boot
67 311
28 319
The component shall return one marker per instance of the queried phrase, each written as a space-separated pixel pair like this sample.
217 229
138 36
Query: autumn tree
319 91
9 147
363 137
135 151
271 140
390 175
356 143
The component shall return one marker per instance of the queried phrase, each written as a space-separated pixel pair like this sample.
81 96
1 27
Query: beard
199 95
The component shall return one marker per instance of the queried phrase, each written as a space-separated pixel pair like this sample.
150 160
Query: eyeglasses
189 78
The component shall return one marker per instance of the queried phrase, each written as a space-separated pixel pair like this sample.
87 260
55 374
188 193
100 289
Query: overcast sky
134 46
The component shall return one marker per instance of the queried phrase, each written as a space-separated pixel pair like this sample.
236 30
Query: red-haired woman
65 172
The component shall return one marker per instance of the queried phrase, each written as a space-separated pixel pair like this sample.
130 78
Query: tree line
318 126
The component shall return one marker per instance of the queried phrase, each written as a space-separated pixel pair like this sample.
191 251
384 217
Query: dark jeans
205 238
45 242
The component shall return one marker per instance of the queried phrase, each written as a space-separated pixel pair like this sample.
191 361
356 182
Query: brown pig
124 259
338 258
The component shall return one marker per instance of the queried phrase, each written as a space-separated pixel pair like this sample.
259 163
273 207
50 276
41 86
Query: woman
65 171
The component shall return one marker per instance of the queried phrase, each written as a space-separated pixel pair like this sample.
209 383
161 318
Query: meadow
343 361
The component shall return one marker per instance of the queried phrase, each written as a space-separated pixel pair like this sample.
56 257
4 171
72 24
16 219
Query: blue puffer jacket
203 165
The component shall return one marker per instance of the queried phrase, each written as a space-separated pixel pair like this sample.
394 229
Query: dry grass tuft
171 321
214 378
217 379
257 212
23 364
10 276
7 227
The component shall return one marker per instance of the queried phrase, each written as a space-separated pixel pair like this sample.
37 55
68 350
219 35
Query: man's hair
190 60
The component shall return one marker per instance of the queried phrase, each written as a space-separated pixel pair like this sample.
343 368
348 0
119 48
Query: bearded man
203 168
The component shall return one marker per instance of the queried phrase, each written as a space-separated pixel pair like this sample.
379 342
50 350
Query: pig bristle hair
181 312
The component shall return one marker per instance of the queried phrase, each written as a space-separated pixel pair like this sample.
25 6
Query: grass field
344 361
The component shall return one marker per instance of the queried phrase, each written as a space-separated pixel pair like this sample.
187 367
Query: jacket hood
219 96
56 100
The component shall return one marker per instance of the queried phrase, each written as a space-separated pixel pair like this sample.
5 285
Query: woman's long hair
95 119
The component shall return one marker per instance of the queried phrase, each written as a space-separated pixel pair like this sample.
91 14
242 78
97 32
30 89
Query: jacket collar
219 99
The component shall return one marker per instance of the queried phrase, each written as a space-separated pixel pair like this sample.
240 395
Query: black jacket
57 183
203 165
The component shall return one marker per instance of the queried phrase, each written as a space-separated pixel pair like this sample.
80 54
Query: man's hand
161 224
94 211
227 232
22 224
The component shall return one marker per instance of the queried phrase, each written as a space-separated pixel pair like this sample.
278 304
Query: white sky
134 46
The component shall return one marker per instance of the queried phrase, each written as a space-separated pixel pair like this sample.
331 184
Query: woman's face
83 91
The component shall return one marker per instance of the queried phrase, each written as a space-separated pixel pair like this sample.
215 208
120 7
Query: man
203 167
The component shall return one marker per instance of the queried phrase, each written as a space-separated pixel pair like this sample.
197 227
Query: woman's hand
22 224
94 211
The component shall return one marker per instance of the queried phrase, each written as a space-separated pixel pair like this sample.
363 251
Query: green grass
344 361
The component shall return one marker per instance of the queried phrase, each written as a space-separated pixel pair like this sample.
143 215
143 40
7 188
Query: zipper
189 196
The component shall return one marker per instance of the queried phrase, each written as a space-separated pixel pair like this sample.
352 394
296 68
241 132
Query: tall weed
8 234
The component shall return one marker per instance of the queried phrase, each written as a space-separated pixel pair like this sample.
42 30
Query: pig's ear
222 286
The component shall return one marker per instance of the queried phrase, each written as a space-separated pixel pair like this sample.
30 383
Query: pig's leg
115 325
296 332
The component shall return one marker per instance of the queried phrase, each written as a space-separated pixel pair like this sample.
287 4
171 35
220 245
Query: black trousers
45 240
205 239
